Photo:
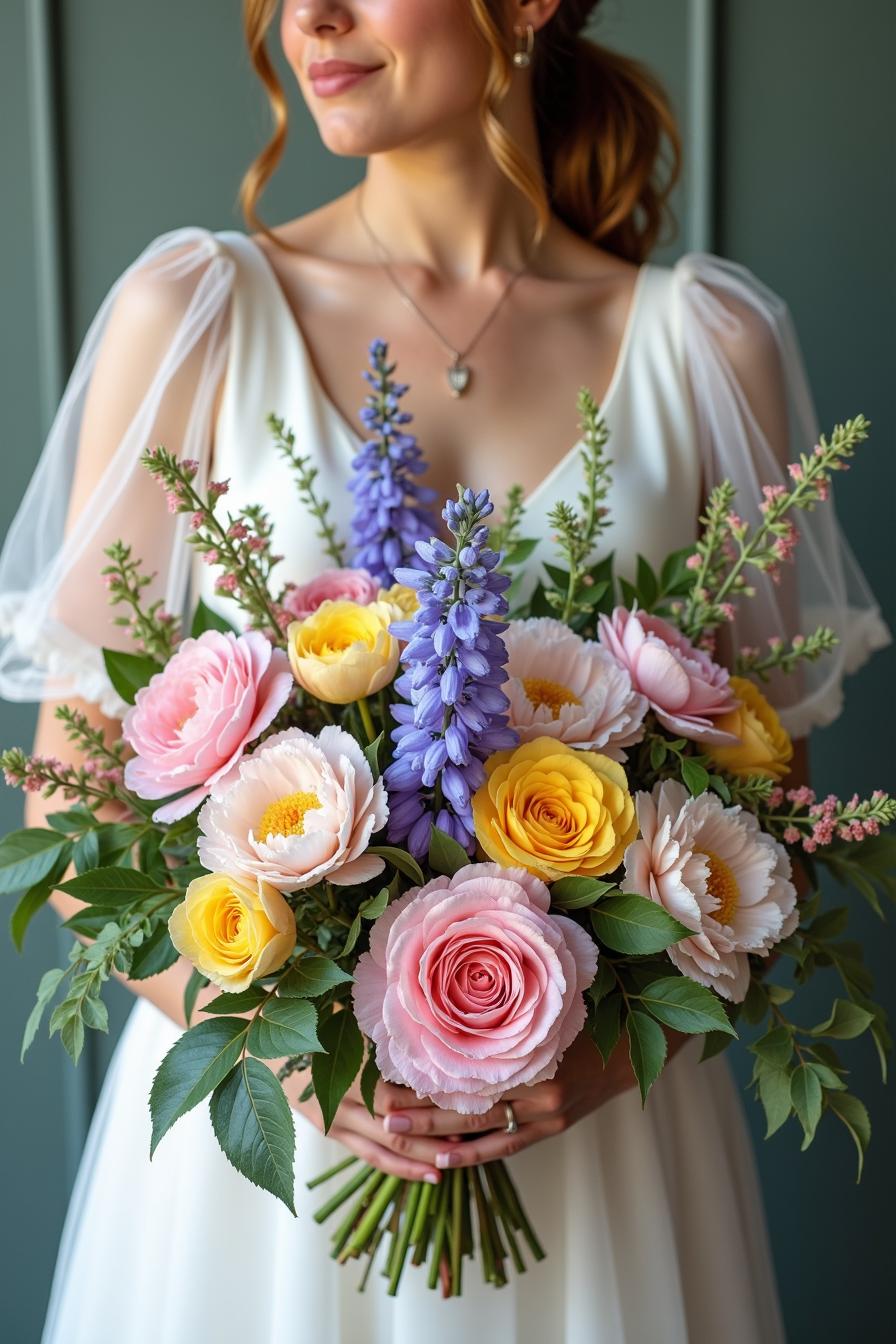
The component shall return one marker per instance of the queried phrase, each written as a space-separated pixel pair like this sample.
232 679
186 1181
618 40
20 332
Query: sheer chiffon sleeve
147 372
754 413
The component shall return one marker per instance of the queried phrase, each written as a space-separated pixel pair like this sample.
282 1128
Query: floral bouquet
413 824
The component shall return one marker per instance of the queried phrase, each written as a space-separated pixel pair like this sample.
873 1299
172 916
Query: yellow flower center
549 693
722 884
286 816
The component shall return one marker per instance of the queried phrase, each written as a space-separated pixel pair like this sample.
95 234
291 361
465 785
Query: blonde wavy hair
609 142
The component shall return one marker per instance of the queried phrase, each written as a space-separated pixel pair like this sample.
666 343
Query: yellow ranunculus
764 747
343 651
403 599
234 931
555 811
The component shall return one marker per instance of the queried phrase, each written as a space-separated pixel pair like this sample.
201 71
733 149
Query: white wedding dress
652 1218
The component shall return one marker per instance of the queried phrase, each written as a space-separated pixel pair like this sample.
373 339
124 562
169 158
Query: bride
499 241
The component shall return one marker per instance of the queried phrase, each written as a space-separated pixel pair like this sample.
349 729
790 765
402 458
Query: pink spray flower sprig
815 824
98 779
728 545
239 544
153 630
782 656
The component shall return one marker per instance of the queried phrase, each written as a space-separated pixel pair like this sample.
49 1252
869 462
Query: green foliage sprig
305 476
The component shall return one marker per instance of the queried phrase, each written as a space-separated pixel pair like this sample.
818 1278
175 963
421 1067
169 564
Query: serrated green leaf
776 1047
605 1025
26 857
603 982
635 925
95 1014
374 906
647 1049
311 976
334 1072
685 1006
34 899
446 856
72 1036
154 955
196 1063
253 1124
694 775
774 1093
129 672
577 893
240 1002
847 1020
826 1076
370 1076
49 983
86 852
72 822
112 887
206 619
284 1027
854 1116
714 1042
400 859
805 1094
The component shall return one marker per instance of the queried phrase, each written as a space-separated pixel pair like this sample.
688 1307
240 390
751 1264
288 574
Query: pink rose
335 585
685 688
192 723
471 988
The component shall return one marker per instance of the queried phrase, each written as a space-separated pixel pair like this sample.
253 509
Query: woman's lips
326 85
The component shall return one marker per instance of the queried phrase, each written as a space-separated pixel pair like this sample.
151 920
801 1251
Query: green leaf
334 1072
714 1042
603 982
647 1049
129 672
685 1006
46 989
520 551
72 822
657 753
34 899
805 1094
370 1076
635 925
285 1027
775 1047
719 786
236 1003
755 1005
374 906
846 1021
774 1093
400 859
576 893
311 976
694 775
826 1076
26 857
372 753
112 887
253 1124
779 994
206 619
352 936
86 852
605 1025
446 856
854 1116
196 1063
830 924
154 956
72 1036
196 982
95 1014
648 588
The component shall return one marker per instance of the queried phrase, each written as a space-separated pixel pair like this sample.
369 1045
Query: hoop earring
523 54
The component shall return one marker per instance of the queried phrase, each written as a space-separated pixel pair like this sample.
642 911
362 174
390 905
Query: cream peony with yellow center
554 811
764 747
233 930
343 651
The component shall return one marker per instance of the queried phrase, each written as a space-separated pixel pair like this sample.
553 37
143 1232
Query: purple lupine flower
390 507
455 668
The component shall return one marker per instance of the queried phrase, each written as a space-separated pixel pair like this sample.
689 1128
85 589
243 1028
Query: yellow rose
343 651
234 931
403 599
764 747
553 810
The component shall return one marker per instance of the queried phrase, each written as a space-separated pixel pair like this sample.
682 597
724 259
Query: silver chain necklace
458 372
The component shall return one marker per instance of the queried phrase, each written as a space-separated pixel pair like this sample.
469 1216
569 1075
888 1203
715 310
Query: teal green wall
787 111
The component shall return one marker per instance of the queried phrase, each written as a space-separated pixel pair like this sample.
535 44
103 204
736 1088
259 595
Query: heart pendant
458 377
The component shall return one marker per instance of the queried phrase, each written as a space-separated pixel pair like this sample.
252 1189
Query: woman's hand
410 1137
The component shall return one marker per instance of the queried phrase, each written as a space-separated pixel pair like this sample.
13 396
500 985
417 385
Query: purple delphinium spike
390 507
455 665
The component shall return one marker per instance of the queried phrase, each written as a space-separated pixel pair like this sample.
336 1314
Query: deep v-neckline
357 439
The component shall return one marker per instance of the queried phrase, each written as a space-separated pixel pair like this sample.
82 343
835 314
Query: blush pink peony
471 987
331 585
684 687
191 724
